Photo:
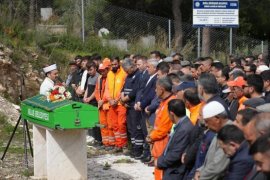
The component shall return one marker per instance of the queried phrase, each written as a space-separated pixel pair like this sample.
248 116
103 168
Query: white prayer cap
212 109
262 68
50 68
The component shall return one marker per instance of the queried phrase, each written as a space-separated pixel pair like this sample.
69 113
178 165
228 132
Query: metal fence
128 29
134 26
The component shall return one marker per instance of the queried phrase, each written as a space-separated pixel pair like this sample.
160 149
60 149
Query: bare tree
206 42
32 13
178 39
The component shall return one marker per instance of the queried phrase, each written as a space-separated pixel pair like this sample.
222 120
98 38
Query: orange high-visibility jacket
114 84
100 90
162 127
195 113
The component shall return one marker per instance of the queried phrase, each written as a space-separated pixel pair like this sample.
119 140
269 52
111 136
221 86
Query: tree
206 41
178 39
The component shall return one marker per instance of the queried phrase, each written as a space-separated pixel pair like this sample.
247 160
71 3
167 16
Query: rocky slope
9 110
17 79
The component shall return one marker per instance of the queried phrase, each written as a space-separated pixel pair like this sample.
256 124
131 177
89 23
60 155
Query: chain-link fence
126 29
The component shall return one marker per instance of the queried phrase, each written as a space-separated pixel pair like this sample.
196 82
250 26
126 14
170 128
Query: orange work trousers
117 115
157 150
106 129
158 174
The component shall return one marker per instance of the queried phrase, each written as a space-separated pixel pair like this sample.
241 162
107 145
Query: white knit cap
50 68
212 109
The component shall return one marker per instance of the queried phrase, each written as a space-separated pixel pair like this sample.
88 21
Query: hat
227 90
72 62
197 64
185 85
185 63
264 108
262 68
254 102
239 82
50 68
212 109
168 59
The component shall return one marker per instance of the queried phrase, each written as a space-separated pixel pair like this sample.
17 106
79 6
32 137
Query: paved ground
100 167
119 167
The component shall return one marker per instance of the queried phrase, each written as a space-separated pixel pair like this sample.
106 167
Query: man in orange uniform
237 86
160 134
103 106
193 104
117 112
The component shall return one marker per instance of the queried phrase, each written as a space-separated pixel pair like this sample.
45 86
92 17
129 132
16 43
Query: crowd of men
191 120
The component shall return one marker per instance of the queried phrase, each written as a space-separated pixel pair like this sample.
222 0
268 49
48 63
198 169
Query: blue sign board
214 13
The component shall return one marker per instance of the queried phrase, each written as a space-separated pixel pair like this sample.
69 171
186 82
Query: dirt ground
13 165
101 164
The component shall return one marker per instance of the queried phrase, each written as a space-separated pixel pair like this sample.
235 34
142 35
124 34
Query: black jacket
170 160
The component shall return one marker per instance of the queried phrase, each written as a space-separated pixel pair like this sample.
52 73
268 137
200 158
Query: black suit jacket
171 161
148 93
240 164
144 76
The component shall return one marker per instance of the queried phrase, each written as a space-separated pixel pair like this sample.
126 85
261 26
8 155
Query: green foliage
57 56
92 9
14 150
54 44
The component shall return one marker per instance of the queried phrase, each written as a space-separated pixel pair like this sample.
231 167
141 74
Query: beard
200 97
114 69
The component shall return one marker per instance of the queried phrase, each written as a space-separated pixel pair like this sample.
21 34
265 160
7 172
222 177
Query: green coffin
64 114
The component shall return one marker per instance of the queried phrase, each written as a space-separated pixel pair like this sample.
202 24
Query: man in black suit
143 99
170 161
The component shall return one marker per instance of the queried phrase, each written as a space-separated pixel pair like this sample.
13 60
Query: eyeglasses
246 86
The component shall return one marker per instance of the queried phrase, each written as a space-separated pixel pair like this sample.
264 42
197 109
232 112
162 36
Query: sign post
216 14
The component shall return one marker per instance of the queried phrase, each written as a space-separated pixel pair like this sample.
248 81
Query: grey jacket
216 162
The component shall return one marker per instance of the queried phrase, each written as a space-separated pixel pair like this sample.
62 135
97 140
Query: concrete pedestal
59 154
66 154
39 152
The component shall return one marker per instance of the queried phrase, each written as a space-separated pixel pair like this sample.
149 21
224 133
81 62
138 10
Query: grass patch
28 172
5 133
13 150
126 161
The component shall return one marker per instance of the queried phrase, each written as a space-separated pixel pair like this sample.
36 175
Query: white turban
50 68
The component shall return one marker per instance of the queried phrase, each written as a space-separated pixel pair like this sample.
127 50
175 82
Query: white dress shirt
151 77
84 79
